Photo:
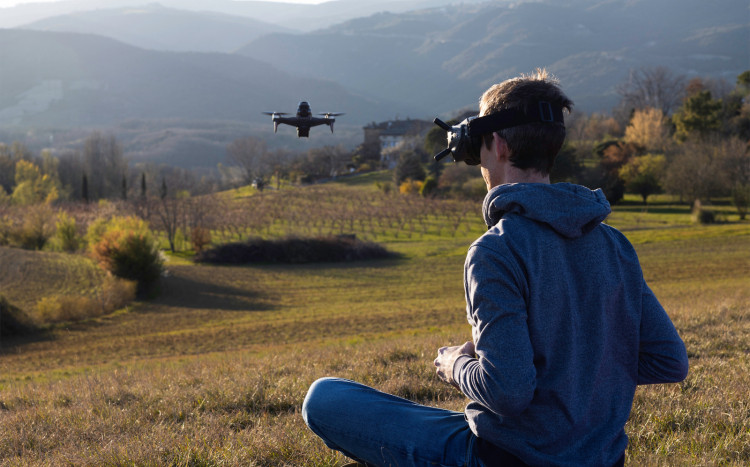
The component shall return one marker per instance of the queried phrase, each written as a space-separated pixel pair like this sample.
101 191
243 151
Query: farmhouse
379 137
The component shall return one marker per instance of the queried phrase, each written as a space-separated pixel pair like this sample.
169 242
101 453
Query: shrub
125 247
200 237
410 187
702 215
56 309
385 188
429 186
740 199
114 294
37 227
13 321
6 228
294 250
67 233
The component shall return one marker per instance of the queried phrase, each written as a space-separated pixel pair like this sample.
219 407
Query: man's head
533 145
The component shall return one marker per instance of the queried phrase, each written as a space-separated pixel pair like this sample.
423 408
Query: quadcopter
304 119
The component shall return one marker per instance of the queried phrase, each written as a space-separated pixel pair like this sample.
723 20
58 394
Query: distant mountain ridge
303 17
157 27
459 51
414 64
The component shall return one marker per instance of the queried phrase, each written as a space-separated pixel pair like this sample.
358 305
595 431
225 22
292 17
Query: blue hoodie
564 328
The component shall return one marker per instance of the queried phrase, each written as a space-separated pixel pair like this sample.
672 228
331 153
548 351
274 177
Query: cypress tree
85 189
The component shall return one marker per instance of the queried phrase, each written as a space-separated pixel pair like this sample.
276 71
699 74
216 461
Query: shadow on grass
11 344
210 288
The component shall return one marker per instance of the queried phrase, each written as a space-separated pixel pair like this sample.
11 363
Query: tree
9 157
642 174
694 172
103 162
741 199
85 189
567 167
33 187
125 247
699 116
649 129
409 166
652 87
250 155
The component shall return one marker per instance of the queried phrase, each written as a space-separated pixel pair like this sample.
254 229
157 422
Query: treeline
687 138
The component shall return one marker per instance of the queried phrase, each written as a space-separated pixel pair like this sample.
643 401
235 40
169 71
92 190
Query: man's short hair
533 145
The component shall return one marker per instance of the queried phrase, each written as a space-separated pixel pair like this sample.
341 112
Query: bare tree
103 162
655 87
251 155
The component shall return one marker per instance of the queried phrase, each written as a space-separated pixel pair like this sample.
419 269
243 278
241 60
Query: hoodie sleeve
662 357
502 377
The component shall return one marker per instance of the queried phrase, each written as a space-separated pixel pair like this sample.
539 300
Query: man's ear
501 147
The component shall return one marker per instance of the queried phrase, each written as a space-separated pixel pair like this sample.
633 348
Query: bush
294 250
702 215
13 321
410 187
6 228
740 199
115 294
429 186
37 227
67 233
56 309
125 247
200 237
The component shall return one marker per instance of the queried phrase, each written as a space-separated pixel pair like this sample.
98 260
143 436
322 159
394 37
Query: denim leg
381 429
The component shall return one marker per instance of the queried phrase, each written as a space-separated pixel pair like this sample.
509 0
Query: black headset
465 139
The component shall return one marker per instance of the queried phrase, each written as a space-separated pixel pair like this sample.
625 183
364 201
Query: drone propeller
331 114
274 113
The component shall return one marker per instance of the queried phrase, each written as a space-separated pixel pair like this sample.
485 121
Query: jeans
380 429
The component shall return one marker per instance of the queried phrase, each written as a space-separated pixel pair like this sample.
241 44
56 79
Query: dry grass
214 371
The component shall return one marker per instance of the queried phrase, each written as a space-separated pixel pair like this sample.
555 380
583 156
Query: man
563 325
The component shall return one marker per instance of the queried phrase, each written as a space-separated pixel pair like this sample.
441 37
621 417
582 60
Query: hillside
154 26
214 370
305 17
165 104
63 79
443 58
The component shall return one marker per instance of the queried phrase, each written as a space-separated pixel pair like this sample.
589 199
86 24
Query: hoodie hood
571 210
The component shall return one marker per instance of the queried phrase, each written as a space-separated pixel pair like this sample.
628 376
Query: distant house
385 135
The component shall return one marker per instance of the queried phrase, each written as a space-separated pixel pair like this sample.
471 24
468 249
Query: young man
563 325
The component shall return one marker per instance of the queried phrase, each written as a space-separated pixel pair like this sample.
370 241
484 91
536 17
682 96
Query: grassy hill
214 371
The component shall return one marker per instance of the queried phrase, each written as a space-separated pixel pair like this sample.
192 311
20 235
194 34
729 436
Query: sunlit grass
214 371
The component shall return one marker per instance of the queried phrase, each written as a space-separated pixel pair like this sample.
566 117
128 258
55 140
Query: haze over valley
177 81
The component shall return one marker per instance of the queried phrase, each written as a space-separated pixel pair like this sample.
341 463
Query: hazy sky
9 3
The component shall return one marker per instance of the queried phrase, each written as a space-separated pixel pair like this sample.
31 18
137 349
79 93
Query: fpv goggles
465 139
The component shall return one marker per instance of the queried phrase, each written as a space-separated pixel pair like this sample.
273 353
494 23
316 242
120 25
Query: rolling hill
304 17
409 64
157 27
447 56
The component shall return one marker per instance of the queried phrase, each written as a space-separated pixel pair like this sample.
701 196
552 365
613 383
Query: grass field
214 371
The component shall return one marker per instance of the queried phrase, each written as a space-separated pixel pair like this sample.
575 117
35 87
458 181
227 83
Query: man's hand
447 357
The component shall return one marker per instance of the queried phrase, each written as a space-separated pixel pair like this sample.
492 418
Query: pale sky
10 3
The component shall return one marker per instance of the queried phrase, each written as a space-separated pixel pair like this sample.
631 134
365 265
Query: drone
304 119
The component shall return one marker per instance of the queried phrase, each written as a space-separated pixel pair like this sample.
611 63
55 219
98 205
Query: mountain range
185 76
